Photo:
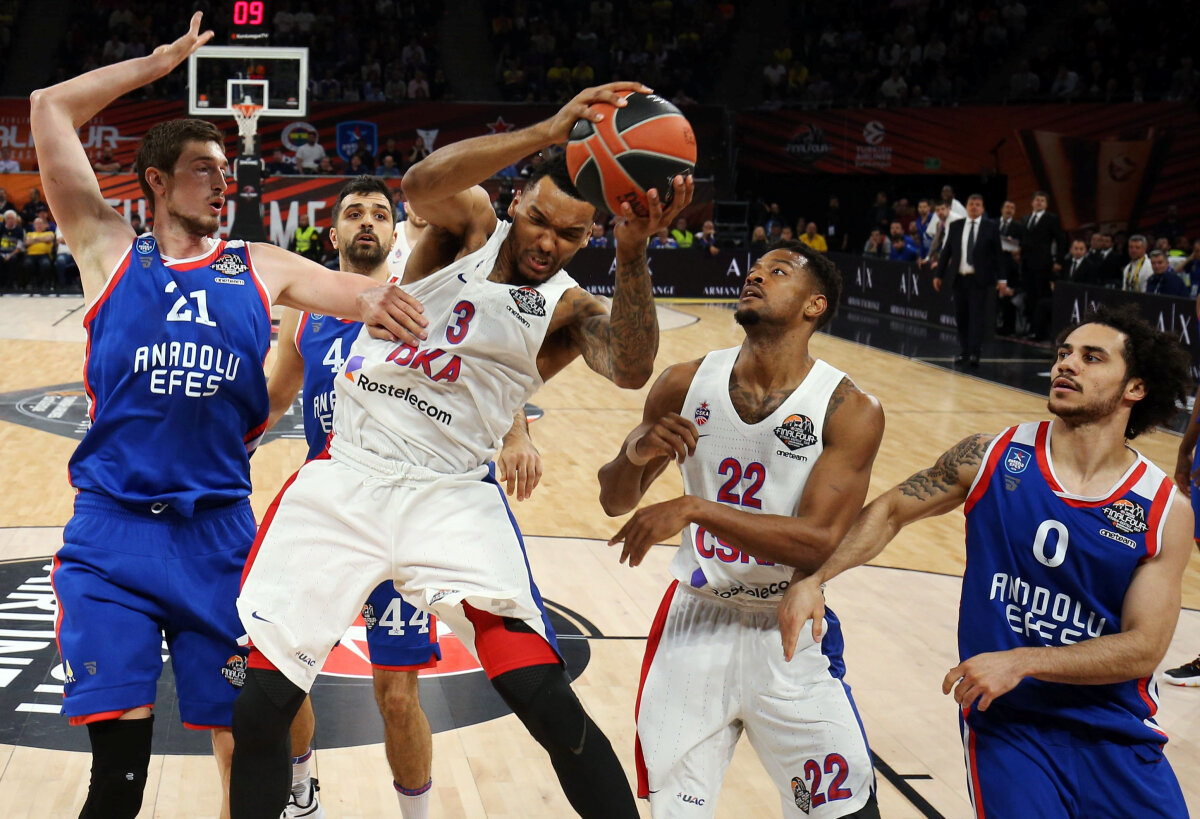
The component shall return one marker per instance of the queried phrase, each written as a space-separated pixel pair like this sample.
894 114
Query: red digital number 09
247 13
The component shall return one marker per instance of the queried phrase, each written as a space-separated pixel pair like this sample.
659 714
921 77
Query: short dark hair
163 144
822 268
1042 194
1151 355
362 185
555 167
978 196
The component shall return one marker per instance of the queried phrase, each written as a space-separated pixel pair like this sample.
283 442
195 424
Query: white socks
300 770
414 804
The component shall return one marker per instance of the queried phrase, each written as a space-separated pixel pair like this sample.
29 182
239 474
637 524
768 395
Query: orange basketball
641 146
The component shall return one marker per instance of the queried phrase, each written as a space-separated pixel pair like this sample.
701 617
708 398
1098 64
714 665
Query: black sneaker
1188 674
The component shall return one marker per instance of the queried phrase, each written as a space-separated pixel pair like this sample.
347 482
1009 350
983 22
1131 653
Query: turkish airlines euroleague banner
1101 163
335 125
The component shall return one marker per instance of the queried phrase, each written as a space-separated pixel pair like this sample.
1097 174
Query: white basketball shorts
346 523
713 670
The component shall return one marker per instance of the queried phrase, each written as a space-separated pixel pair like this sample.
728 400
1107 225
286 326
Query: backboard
275 78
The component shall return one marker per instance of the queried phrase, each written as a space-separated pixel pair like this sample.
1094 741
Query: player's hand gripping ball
640 146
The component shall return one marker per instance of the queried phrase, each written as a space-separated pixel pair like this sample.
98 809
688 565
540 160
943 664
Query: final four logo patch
230 265
529 301
1126 516
796 432
801 794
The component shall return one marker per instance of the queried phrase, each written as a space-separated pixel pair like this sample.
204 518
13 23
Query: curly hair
1151 355
822 268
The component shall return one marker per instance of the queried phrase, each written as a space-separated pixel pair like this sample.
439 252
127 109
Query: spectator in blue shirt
663 241
1164 281
903 250
924 214
597 239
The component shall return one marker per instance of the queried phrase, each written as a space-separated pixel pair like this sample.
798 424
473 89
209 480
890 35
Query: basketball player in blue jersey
776 449
401 640
178 325
1076 546
1187 478
407 492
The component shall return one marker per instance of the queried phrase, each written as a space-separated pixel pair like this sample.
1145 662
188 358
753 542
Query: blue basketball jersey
1048 568
174 377
324 343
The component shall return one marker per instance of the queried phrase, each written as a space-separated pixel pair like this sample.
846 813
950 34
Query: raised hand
579 107
186 45
633 231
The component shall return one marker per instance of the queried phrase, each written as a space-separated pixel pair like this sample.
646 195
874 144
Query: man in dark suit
1043 239
1108 264
971 261
1080 267
1008 286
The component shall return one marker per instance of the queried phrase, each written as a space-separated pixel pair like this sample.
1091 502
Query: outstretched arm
97 234
930 492
1148 617
662 436
442 186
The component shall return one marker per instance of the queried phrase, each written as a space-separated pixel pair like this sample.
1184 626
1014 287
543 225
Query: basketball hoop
246 116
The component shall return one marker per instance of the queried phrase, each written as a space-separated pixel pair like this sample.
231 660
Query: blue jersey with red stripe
1048 568
323 343
174 377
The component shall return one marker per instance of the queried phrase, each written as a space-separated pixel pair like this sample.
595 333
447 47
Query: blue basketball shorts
126 579
1195 493
1018 769
400 637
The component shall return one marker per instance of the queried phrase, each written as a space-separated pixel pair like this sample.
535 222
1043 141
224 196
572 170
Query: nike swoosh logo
462 278
254 614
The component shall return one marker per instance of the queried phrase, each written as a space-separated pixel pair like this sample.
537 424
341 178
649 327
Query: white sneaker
304 802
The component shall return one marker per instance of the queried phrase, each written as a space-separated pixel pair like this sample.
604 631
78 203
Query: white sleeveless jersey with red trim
398 257
760 468
1049 568
446 404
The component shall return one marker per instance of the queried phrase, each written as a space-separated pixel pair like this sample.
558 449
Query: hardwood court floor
899 616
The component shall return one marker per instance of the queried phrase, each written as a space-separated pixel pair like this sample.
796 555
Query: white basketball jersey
759 468
399 255
447 403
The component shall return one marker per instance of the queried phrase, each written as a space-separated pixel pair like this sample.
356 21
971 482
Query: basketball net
246 116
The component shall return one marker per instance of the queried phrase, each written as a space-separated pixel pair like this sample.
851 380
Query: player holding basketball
1076 546
406 492
178 326
401 640
776 450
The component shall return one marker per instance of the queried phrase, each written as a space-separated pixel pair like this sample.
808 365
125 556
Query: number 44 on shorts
807 789
393 618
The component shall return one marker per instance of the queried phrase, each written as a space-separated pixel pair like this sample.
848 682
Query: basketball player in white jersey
776 450
361 235
406 492
404 239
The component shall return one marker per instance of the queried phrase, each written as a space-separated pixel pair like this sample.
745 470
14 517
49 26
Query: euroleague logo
456 693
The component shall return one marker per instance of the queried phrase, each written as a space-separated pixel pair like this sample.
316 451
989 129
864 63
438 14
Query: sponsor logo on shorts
800 794
368 616
234 671
529 301
759 592
703 413
1015 460
1118 538
796 432
306 659
1126 516
441 593
688 799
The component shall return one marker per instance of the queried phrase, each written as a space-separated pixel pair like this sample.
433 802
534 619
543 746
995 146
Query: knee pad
263 711
542 698
120 759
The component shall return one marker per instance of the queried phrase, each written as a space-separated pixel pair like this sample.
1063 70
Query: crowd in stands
380 51
932 52
548 50
34 257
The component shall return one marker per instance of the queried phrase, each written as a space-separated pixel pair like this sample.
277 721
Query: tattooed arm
932 491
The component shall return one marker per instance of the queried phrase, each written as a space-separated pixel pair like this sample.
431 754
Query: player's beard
747 316
1088 411
196 225
366 256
